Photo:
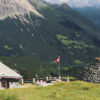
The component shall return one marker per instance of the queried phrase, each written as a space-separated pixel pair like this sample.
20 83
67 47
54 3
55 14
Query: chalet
8 77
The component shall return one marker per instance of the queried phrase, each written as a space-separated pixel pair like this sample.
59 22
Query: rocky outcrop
13 8
91 72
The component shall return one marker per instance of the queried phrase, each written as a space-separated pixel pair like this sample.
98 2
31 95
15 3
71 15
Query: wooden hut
8 77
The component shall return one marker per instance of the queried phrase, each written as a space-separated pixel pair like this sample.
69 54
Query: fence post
34 80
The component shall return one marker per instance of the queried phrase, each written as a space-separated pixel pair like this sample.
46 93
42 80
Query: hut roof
97 58
6 72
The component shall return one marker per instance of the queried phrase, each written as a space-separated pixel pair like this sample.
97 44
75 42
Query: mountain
93 13
12 8
32 38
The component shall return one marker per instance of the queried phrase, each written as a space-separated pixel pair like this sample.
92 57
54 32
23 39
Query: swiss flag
58 60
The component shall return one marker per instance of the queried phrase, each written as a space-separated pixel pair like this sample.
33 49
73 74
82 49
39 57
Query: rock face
13 8
91 73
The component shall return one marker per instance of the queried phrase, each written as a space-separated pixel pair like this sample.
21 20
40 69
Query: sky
77 3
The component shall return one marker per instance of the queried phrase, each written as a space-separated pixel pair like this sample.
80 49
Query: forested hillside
33 44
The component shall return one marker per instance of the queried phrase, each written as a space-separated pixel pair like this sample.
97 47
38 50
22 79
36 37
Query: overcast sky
77 3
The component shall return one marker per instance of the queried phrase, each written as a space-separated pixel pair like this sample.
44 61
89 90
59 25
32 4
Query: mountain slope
92 13
33 47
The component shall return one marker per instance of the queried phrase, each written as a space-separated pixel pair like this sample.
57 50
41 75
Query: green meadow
59 91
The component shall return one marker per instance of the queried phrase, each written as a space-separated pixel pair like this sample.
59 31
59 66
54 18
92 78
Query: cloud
57 1
95 2
76 3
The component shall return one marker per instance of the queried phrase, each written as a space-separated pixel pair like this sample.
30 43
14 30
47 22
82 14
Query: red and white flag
58 60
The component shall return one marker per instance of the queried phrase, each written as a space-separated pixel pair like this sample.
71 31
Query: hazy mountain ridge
93 13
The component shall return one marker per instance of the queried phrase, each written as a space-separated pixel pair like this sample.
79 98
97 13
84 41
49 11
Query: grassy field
60 91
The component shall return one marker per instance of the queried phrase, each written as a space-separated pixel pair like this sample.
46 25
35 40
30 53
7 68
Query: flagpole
59 69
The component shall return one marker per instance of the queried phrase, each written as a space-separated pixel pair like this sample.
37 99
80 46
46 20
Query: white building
8 77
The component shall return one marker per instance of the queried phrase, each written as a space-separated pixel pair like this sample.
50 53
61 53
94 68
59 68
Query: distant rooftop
97 58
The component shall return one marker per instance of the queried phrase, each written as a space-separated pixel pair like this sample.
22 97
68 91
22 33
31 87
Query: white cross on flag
58 60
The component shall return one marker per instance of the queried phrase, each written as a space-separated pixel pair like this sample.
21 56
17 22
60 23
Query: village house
8 77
